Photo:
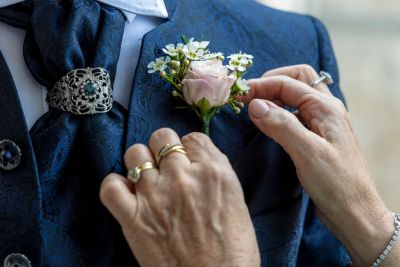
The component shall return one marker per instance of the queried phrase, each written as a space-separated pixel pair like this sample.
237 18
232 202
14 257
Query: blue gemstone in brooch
90 88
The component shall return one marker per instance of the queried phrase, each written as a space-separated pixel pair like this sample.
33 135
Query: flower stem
171 81
206 125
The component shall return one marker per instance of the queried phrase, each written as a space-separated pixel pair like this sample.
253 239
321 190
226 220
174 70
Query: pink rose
208 79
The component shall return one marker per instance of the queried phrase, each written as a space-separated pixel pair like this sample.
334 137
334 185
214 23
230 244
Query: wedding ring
168 149
324 77
134 174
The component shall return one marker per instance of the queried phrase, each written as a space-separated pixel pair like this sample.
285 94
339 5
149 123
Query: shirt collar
9 2
130 8
154 8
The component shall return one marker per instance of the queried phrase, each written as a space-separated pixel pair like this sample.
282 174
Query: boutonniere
200 79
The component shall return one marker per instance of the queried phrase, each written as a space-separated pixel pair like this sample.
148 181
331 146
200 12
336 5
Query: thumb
116 195
282 126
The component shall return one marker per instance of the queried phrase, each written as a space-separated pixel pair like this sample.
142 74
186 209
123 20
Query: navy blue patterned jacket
50 211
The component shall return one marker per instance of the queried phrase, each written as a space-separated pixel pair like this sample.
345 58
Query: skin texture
189 212
321 141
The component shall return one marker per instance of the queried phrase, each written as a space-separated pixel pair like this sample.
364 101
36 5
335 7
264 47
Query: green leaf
204 107
240 74
185 39
234 89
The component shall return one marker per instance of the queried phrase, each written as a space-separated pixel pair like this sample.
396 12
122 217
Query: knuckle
338 108
161 134
220 172
268 73
109 188
198 141
133 150
285 79
230 181
214 172
307 68
340 105
196 138
224 158
282 119
187 185
222 161
315 98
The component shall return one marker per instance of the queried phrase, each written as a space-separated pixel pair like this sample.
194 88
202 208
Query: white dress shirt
144 15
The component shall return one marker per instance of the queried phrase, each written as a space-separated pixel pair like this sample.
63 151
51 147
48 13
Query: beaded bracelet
389 247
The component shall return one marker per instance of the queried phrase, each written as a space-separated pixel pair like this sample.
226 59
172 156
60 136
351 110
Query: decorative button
10 155
17 260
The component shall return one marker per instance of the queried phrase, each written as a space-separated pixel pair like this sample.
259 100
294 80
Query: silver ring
324 77
83 92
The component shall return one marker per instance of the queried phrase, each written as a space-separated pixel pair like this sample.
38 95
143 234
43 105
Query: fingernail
258 108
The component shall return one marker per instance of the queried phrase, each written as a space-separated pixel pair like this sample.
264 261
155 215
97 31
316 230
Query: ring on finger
168 149
324 77
134 173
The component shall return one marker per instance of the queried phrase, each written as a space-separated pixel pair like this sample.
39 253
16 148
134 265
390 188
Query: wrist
247 260
365 231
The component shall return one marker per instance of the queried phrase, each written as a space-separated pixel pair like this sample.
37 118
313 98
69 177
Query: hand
190 212
330 165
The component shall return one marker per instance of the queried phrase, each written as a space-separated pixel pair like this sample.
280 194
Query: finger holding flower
330 165
200 79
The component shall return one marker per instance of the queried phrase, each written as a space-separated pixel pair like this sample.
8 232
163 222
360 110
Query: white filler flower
242 85
200 45
240 61
193 52
210 56
173 50
160 64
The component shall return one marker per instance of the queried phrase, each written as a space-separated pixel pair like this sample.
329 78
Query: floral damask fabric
49 206
288 231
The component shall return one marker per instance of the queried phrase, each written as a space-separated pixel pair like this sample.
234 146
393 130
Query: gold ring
168 149
134 174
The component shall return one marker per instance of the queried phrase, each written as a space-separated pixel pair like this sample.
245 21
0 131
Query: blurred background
366 38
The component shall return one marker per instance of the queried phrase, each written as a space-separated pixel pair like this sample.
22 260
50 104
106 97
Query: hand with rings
331 167
188 211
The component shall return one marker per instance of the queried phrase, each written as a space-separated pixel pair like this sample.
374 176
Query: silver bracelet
389 247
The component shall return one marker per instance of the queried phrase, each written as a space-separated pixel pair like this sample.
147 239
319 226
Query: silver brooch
83 92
